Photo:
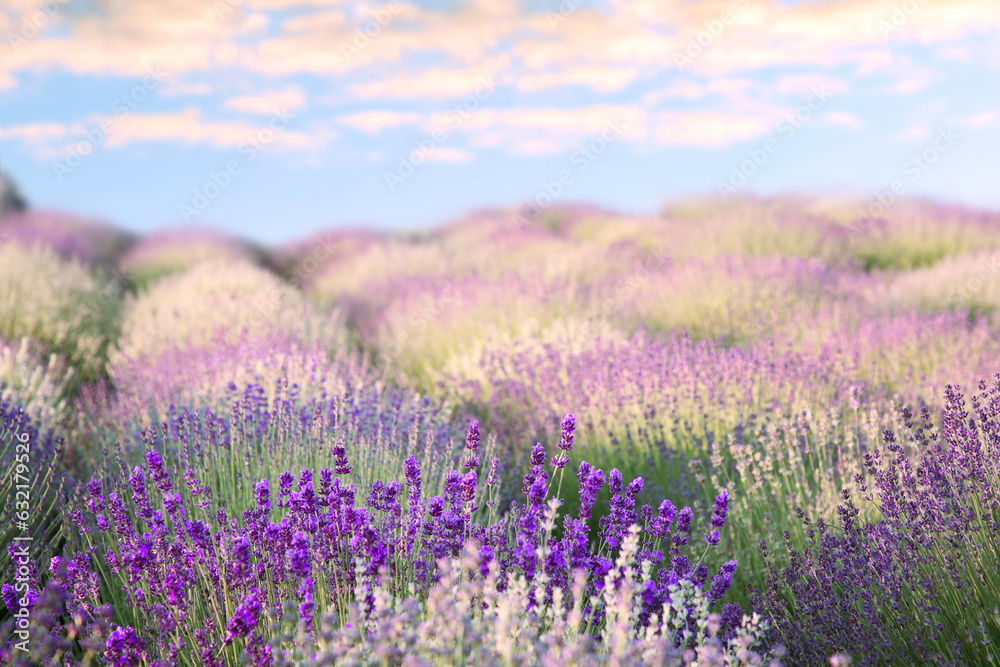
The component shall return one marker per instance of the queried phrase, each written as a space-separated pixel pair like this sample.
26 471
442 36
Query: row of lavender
204 555
434 307
165 571
585 315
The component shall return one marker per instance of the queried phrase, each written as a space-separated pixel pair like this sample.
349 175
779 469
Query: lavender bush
41 387
914 235
773 427
223 300
169 252
919 581
914 354
968 282
61 304
432 321
192 335
72 238
257 435
729 297
201 377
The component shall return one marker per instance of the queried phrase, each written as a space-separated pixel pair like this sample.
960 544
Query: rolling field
756 433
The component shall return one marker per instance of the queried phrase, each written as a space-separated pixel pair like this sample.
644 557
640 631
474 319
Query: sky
273 119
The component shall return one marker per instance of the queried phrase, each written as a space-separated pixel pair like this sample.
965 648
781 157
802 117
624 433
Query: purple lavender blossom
721 509
156 468
469 486
298 555
660 525
124 647
472 440
567 427
682 527
285 483
722 581
622 506
494 473
589 489
244 617
340 464
262 493
537 454
411 472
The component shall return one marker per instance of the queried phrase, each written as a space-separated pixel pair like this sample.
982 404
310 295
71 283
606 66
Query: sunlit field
762 432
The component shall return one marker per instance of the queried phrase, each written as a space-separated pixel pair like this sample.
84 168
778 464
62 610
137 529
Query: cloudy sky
274 118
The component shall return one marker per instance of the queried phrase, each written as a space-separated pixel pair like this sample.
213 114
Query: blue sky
273 119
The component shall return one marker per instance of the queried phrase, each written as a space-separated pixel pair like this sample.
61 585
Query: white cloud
914 133
843 119
291 98
448 154
186 126
601 79
706 128
983 119
373 122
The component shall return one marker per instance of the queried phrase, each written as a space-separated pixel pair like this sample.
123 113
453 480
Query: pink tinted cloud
373 122
708 128
188 126
601 79
291 98
35 134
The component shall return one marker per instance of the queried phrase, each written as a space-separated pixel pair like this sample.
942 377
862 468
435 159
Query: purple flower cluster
719 513
566 429
472 440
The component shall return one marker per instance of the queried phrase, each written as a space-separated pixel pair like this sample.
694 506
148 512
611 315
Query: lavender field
763 432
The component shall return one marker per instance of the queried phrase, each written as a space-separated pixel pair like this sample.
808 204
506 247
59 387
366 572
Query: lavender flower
262 493
494 473
298 555
124 647
472 440
722 581
721 509
469 486
245 617
567 427
340 463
